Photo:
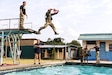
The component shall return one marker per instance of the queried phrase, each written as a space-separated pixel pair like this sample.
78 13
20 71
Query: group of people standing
48 18
85 52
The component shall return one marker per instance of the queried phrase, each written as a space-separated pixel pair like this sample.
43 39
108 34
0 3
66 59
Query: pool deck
5 67
8 68
102 63
92 62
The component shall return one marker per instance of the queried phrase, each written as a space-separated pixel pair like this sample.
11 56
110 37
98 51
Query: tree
75 42
55 41
49 41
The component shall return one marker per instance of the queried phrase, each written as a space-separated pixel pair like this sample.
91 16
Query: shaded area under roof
103 36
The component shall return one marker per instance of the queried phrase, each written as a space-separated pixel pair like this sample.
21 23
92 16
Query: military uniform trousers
21 22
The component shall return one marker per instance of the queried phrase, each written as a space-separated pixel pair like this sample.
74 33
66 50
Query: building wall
28 50
90 45
28 42
108 54
107 42
107 45
24 42
58 55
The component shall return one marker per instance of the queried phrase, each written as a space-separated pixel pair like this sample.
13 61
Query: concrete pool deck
22 66
45 63
90 63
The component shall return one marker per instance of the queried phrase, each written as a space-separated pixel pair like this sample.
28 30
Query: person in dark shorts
37 52
86 53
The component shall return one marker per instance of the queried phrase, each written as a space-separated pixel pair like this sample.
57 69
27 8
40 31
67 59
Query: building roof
103 36
57 46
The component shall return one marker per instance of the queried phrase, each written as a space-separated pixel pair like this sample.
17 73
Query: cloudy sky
75 16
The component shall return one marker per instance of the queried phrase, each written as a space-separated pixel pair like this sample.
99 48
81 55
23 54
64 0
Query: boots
56 33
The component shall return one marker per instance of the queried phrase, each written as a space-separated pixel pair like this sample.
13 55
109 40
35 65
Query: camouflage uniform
48 20
97 57
81 55
97 54
21 22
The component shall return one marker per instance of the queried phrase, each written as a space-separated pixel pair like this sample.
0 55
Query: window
110 47
90 42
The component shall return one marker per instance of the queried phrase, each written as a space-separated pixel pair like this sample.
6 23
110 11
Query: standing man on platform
48 20
37 52
22 15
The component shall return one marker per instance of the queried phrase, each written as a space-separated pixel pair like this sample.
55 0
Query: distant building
48 51
104 41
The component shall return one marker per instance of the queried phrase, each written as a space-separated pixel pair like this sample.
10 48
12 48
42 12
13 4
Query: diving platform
11 38
17 31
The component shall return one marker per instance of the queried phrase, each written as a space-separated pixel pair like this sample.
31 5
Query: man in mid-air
48 20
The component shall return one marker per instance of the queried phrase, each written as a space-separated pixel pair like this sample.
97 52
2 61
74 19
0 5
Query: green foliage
75 42
55 41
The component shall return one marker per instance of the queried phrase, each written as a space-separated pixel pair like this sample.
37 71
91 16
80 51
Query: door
102 51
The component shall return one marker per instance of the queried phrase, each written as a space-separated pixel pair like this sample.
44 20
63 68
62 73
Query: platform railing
28 23
8 22
12 23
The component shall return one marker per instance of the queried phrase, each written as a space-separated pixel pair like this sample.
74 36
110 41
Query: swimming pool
67 70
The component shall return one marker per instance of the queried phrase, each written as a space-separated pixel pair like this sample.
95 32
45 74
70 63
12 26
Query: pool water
67 70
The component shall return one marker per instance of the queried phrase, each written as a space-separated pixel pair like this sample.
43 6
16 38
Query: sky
75 17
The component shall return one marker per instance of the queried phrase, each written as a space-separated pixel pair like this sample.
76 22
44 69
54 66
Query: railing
12 23
28 23
8 22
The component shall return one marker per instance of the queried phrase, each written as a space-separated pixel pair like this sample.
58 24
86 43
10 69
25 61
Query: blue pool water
67 70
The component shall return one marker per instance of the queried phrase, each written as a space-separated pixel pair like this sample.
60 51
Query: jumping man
48 20
22 14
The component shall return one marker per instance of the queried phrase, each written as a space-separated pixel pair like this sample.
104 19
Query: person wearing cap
48 20
22 14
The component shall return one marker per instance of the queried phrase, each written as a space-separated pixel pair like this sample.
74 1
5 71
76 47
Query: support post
2 48
15 48
69 53
65 53
6 48
58 54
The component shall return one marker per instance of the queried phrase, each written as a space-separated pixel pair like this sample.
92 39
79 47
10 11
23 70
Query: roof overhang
103 36
56 46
